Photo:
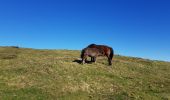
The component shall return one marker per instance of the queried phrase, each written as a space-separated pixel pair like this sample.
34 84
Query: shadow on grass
80 62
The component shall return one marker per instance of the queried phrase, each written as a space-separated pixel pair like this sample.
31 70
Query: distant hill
29 74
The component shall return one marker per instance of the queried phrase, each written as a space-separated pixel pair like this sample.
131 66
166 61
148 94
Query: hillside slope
28 74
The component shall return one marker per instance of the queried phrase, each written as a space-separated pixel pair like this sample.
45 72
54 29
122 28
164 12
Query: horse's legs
110 61
95 59
92 59
84 59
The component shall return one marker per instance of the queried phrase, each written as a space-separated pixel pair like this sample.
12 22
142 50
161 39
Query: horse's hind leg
110 61
93 59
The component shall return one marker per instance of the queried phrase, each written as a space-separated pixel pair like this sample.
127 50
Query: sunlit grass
54 74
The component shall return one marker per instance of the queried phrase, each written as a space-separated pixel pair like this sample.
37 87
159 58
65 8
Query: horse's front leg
84 60
95 59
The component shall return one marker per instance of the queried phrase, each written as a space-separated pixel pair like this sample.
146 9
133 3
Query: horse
104 50
90 52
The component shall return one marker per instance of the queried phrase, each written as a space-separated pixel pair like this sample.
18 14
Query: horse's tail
111 53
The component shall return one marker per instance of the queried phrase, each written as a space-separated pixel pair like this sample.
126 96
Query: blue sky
139 28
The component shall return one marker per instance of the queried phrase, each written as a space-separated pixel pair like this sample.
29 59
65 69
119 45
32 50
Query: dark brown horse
90 52
103 50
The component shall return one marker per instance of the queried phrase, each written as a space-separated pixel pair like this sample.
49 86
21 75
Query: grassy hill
28 74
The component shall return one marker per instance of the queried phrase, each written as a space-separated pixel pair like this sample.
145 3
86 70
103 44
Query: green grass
29 74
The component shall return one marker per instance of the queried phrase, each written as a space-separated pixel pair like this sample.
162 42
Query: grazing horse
103 51
90 52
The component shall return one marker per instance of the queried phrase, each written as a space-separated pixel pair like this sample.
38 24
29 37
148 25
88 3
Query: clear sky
139 28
